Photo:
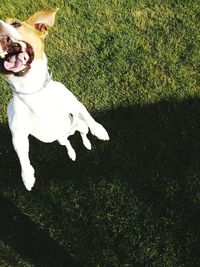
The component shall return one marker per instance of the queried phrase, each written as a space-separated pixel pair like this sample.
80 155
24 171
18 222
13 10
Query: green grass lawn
132 201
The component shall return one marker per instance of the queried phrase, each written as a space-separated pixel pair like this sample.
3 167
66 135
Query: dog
40 106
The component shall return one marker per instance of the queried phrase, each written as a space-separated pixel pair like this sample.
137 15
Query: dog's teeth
2 53
23 45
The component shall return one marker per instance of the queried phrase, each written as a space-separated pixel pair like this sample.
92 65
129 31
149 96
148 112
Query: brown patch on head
15 56
34 30
31 36
18 53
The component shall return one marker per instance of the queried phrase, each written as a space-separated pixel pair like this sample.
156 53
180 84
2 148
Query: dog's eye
16 24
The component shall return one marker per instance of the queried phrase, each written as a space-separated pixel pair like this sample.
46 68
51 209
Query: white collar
47 80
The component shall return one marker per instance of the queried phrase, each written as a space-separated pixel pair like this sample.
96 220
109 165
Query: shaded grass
133 201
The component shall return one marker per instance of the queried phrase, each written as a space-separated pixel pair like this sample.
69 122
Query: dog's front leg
21 145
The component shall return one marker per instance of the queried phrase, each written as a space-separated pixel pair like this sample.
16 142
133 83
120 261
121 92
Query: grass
133 201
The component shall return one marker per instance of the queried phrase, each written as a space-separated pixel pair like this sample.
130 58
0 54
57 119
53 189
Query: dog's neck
33 80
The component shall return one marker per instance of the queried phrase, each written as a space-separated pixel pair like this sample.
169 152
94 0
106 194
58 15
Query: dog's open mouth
15 56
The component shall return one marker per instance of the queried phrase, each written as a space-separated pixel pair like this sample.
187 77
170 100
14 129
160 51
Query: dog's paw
100 132
72 154
29 183
28 178
86 142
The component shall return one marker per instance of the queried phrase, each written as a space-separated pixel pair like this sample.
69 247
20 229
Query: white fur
50 114
7 29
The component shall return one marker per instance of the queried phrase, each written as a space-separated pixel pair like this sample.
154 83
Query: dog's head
21 42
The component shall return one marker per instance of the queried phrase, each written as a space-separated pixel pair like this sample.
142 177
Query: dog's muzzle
15 56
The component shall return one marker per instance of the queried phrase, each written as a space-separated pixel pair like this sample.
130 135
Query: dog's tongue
15 63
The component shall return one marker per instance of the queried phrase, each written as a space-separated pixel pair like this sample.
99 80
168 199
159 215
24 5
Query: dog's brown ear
41 20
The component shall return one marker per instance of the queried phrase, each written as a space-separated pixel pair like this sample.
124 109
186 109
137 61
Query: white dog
40 106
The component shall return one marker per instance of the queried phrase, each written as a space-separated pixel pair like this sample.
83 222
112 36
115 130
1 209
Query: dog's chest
48 115
49 128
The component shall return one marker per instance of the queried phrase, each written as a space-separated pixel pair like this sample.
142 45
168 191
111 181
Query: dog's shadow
155 148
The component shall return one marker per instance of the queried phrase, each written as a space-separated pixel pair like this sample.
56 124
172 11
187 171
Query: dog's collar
47 80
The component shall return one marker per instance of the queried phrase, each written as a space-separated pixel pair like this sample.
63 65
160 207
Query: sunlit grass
135 66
